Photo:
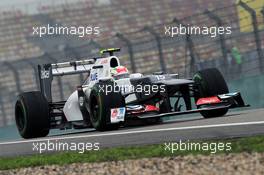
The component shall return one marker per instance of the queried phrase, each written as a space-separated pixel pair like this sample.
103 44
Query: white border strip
135 132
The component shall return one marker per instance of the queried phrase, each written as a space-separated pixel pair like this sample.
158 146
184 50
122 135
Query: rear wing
46 73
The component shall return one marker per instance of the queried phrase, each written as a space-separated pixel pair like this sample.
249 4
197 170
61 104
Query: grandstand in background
111 16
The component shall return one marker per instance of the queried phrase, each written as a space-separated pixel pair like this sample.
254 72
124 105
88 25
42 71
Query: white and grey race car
110 97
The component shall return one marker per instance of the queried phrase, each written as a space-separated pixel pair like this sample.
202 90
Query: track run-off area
194 127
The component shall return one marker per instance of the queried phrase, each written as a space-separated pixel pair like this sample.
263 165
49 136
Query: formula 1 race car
111 96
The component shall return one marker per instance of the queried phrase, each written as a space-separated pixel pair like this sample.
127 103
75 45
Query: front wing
226 101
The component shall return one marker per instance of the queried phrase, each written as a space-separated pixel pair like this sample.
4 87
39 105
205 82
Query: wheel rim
201 84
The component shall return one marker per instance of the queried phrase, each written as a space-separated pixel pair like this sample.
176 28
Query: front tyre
210 82
32 115
101 104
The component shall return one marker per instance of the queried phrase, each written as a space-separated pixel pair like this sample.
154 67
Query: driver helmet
119 71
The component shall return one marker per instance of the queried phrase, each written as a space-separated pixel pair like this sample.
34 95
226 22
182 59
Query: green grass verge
250 144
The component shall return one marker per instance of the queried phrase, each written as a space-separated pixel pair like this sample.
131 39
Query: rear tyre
32 115
210 82
101 104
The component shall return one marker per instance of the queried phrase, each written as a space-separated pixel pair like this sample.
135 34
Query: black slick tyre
32 115
101 103
210 82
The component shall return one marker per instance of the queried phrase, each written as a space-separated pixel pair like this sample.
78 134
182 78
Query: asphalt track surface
194 127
